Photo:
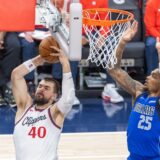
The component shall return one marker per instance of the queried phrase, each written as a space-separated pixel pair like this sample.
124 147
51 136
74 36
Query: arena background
94 129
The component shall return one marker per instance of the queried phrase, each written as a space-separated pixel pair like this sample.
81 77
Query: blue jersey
143 133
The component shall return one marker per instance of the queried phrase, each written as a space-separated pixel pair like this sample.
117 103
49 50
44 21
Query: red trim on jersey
39 110
24 114
49 113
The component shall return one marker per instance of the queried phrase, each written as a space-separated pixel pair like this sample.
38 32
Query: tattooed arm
132 86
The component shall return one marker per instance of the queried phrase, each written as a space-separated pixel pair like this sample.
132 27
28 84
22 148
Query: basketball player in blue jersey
143 133
39 122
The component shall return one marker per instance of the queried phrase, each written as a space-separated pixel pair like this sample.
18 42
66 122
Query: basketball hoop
104 27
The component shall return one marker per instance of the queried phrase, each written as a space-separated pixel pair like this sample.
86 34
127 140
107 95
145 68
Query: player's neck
42 107
151 94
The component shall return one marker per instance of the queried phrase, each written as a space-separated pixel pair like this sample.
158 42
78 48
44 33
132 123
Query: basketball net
104 29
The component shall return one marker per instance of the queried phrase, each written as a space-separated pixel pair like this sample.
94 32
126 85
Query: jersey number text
39 132
145 122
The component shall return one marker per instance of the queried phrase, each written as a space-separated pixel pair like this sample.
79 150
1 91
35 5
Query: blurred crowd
17 47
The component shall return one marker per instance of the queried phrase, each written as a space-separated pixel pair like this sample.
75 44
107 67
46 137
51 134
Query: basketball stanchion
104 27
69 38
75 34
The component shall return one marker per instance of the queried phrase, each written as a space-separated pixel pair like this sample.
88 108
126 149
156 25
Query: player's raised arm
124 80
19 85
64 104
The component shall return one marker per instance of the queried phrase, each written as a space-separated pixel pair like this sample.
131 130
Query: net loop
104 29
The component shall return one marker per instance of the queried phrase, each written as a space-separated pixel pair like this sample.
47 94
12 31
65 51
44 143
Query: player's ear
54 97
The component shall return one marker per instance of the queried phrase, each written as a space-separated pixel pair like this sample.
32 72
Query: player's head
47 91
152 82
58 4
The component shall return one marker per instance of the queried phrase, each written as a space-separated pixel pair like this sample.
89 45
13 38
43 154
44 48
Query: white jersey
36 136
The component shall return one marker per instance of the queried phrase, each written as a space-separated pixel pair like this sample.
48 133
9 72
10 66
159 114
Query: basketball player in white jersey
39 122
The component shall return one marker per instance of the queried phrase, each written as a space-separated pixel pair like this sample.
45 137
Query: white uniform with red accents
36 136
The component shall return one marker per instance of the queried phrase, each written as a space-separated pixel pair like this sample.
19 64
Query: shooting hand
60 54
130 32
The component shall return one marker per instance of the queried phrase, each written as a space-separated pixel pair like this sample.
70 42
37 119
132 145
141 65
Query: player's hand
1 45
65 17
84 40
1 40
60 54
28 37
130 32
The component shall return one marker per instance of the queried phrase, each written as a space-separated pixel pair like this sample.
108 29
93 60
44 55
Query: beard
40 100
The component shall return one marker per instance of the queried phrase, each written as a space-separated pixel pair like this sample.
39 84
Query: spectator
152 25
29 42
9 58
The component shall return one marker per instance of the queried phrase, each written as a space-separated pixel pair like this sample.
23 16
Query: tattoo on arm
125 81
119 53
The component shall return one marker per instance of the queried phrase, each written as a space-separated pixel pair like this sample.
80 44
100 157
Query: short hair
56 84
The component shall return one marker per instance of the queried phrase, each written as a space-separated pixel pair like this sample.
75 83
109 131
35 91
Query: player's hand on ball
45 49
59 54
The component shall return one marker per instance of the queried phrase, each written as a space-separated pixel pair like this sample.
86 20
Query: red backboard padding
17 15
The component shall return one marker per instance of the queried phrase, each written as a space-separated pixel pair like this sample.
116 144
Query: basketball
45 49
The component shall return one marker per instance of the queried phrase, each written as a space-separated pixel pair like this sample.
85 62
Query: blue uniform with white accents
143 133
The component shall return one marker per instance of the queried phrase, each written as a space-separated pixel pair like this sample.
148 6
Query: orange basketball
45 49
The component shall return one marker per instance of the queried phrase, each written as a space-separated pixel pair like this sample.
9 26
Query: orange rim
94 22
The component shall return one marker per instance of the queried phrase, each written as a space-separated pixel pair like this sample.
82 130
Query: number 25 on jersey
145 122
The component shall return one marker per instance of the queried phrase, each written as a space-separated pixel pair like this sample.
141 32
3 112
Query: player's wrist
29 65
38 61
65 62
123 41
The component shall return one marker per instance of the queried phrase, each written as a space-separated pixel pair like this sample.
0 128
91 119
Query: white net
104 28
